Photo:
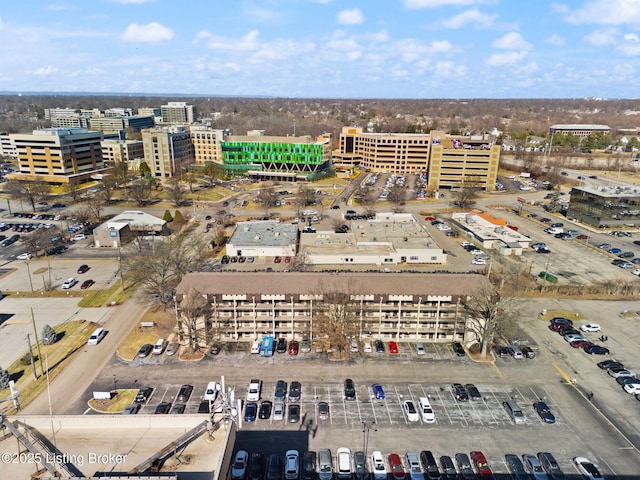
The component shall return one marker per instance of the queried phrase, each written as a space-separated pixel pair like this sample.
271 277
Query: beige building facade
168 150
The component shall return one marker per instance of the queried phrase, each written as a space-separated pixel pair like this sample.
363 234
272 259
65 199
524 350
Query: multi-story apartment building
130 152
179 113
58 155
168 150
448 160
403 307
207 144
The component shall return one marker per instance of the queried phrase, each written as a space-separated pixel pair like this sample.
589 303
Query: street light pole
366 428
29 273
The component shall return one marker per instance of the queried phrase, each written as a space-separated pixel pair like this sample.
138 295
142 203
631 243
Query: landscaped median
163 321
120 399
72 337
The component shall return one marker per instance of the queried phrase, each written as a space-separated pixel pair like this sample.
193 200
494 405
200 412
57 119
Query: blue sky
324 48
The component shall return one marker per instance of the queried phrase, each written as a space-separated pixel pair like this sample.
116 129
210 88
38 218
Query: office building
58 155
606 207
448 160
207 144
581 131
7 148
179 113
115 124
130 152
167 150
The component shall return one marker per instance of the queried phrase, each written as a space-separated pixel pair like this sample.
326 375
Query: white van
97 336
343 462
514 411
425 410
255 347
158 348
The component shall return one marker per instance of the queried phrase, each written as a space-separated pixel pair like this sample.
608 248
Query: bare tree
73 190
176 193
28 191
159 265
195 315
336 319
486 309
397 194
209 173
107 188
140 191
305 196
267 198
466 194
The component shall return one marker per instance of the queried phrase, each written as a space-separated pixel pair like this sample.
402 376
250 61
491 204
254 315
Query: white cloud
150 33
474 17
449 69
44 71
607 12
631 45
506 58
555 40
511 41
415 4
353 16
324 2
58 7
264 16
601 38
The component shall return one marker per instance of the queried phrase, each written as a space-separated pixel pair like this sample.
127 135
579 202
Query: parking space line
413 399
444 406
400 400
373 408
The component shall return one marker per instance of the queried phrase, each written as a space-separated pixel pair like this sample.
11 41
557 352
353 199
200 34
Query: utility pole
35 332
33 365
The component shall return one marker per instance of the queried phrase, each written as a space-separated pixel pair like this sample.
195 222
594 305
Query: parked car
281 390
349 389
542 409
294 346
607 364
131 409
86 284
184 393
379 346
274 467
590 327
378 391
163 408
360 466
473 392
527 351
516 468
177 409
291 465
621 372
83 269
256 466
281 346
250 411
534 466
145 350
464 466
481 464
143 395
295 391
458 349
240 464
393 347
396 468
410 410
587 468
460 393
448 468
596 350
415 470
309 465
265 410
323 410
550 466
378 466
70 282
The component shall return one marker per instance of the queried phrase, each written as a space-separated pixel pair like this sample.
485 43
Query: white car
379 466
78 236
255 347
590 327
366 346
617 373
587 468
479 261
574 336
636 271
159 347
239 467
632 388
420 349
425 410
253 392
24 256
410 410
70 282
211 392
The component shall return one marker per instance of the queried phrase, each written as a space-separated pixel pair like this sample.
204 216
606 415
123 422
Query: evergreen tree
167 216
49 335
4 378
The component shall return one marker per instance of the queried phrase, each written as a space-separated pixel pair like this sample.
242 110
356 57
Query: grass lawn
165 322
117 404
72 336
562 313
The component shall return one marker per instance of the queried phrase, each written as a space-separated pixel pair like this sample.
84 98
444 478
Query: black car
458 349
527 351
607 364
626 255
83 268
225 259
460 393
294 413
57 250
295 390
178 409
256 466
379 346
308 470
184 393
349 390
596 350
265 410
250 412
281 390
448 468
474 393
145 350
163 408
545 413
204 407
543 250
430 466
281 346
624 380
131 409
143 394
501 350
274 467
215 349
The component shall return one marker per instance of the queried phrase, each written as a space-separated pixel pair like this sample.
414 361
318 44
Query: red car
277 260
395 465
86 284
580 343
481 464
393 348
287 259
429 219
293 347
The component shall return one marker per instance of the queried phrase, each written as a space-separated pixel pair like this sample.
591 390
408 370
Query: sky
324 48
